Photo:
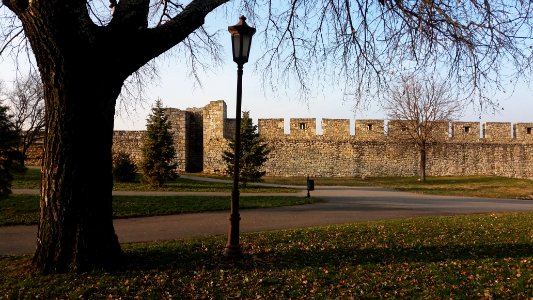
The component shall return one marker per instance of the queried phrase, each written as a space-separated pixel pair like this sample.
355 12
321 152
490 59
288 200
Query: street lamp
241 41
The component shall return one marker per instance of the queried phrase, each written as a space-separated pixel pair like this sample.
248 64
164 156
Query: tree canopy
364 45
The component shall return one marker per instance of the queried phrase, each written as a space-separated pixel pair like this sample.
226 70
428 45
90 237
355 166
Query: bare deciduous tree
26 102
424 107
85 52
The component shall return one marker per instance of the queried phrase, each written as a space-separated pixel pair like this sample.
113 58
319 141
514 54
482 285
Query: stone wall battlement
372 129
377 148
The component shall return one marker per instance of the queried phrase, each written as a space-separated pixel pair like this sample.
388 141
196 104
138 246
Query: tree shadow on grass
394 255
209 257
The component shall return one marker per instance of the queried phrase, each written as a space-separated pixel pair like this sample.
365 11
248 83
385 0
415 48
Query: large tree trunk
75 229
80 86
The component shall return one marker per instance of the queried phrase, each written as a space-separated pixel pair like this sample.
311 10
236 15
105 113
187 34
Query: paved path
344 205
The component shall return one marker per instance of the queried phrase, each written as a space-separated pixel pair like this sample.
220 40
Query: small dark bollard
310 186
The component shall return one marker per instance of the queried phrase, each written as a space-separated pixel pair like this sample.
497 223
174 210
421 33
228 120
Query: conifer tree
158 163
253 154
9 139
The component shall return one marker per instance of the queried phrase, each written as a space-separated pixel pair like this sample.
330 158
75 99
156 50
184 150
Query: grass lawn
32 180
462 257
473 186
24 209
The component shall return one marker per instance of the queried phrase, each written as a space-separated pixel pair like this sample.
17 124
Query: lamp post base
233 246
233 251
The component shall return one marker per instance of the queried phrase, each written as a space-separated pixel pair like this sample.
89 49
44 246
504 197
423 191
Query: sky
178 90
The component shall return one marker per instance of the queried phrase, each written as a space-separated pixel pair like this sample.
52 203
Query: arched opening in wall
301 126
466 129
369 127
528 130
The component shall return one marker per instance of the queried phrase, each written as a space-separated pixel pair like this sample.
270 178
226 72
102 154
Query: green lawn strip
473 186
189 185
24 209
461 257
19 210
31 179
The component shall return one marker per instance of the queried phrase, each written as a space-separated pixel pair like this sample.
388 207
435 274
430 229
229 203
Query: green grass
32 180
24 209
462 257
19 210
189 185
473 186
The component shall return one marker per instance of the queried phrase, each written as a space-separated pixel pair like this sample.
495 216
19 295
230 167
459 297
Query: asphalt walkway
343 205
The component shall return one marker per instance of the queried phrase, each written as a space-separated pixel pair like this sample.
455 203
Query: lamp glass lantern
241 40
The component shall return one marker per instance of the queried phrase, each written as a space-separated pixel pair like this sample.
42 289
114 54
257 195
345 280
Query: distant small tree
9 138
26 101
423 105
158 163
124 169
253 154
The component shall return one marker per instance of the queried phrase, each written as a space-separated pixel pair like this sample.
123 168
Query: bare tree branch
366 44
423 106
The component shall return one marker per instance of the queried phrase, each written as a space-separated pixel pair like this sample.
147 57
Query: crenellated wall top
376 129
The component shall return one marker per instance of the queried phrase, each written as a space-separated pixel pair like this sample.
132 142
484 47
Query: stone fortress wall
376 149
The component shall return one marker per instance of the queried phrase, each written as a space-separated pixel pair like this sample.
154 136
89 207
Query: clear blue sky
179 91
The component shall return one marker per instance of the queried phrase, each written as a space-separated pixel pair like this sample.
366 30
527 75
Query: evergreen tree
9 139
253 153
158 164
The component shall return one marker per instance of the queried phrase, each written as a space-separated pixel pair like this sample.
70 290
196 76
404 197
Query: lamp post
241 40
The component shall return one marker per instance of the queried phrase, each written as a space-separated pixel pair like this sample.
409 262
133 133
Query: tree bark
422 163
75 231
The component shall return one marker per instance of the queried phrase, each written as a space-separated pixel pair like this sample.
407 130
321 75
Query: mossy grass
24 209
461 257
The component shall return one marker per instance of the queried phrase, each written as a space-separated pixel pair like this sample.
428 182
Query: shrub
124 169
9 138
